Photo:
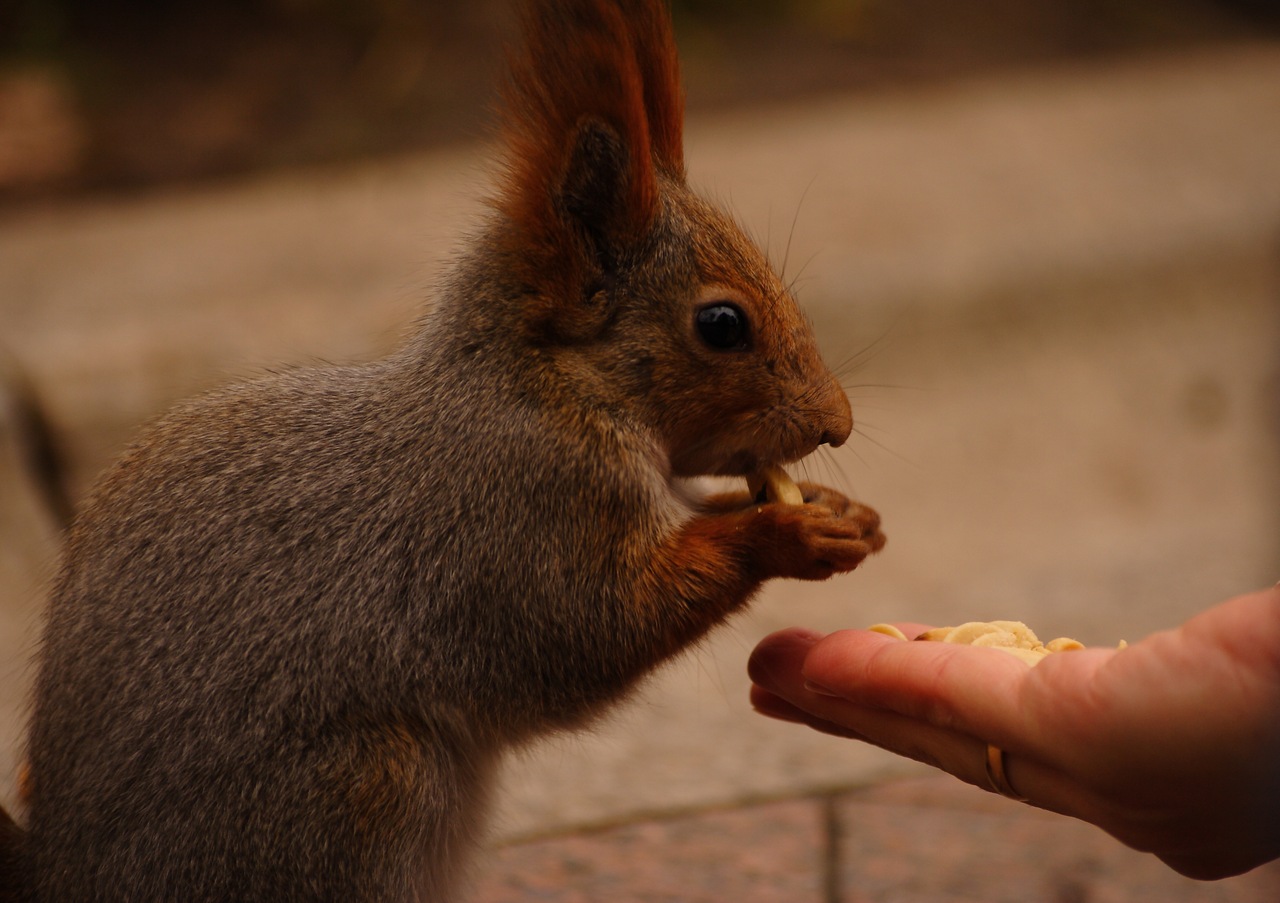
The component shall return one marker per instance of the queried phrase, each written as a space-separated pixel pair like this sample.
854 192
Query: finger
959 754
778 667
773 706
777 659
776 707
955 752
1212 864
961 688
779 689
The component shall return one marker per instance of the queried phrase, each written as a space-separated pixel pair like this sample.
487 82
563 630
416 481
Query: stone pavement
919 840
1055 296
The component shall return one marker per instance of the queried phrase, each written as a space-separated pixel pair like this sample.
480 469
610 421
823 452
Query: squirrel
298 623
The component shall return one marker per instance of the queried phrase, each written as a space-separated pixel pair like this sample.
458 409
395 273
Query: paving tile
934 790
940 841
765 853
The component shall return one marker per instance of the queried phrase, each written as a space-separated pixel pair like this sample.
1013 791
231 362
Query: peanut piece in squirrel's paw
777 485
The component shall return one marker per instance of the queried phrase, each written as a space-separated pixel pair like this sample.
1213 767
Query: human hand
1171 745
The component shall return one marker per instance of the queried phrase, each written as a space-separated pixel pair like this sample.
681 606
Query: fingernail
820 690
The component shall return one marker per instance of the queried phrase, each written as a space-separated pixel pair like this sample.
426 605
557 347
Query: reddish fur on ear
604 62
659 63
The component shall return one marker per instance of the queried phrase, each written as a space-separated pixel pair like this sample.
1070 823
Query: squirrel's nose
836 438
837 416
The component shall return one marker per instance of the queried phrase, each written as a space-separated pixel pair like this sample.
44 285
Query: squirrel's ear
592 114
597 191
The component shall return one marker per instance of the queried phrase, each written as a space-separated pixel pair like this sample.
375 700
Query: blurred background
138 93
1039 239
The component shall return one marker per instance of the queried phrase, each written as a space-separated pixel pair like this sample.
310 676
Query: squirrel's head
639 290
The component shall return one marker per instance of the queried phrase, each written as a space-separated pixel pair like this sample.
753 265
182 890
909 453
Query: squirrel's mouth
739 464
736 461
748 449
745 463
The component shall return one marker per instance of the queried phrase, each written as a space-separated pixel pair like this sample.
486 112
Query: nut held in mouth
777 485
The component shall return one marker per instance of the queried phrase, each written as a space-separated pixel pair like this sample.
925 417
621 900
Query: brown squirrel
300 620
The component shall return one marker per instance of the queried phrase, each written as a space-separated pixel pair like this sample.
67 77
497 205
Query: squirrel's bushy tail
32 437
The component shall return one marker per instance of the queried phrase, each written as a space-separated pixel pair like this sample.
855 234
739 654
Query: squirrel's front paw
825 536
846 508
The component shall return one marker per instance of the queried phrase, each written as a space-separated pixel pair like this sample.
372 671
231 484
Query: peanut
1013 637
777 485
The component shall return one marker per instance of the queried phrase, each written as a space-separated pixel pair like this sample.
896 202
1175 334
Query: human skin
1172 745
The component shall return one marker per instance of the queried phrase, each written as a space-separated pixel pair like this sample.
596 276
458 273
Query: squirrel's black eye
723 326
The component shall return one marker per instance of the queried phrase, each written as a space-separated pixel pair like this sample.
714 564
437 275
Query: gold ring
995 774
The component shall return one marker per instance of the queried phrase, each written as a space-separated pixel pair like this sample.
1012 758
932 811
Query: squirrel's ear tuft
592 113
659 63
